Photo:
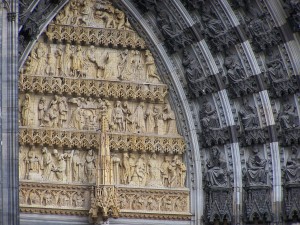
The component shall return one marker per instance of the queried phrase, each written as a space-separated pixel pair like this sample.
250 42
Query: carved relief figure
292 168
39 57
288 116
26 111
150 121
63 111
126 169
154 171
52 115
51 68
77 165
77 62
139 176
66 61
256 173
169 118
210 117
76 120
22 162
48 198
248 115
47 163
139 118
89 166
118 117
32 165
78 200
235 72
165 168
91 54
123 65
41 110
60 168
151 73
216 174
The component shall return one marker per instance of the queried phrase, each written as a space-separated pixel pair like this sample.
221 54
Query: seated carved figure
216 175
248 116
292 168
288 117
256 173
210 118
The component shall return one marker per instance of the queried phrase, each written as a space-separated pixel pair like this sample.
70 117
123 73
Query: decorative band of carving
95 36
98 88
88 139
133 202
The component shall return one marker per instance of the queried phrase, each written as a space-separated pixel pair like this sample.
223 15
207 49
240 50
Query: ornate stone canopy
225 70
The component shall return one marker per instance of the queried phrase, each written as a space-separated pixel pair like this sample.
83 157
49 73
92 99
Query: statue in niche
276 71
165 169
140 173
154 171
60 168
64 199
139 118
123 65
32 165
63 111
78 200
192 71
41 110
39 59
34 198
50 68
216 175
47 163
210 117
288 116
77 165
256 173
66 61
89 166
169 117
26 111
77 62
248 115
292 168
48 198
177 172
51 117
151 72
235 73
91 55
167 24
118 117
213 26
152 203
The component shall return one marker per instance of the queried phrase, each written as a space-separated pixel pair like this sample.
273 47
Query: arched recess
62 74
247 55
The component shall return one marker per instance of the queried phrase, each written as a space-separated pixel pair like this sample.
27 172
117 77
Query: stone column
9 188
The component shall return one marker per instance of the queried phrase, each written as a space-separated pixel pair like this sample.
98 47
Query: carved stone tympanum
98 136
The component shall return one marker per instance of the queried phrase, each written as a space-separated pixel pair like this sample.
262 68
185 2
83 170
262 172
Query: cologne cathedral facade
154 112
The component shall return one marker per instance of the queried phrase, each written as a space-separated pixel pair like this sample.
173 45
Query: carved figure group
152 172
67 166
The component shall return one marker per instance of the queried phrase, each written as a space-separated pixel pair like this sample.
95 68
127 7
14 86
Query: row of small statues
80 62
73 166
53 198
86 114
217 172
255 173
154 202
93 13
